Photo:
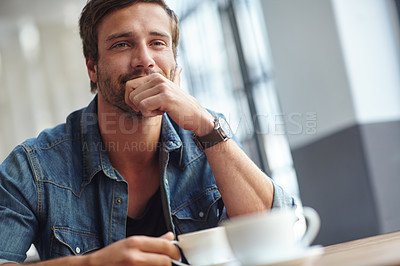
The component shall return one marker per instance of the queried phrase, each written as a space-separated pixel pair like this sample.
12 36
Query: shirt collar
169 137
171 142
178 143
95 158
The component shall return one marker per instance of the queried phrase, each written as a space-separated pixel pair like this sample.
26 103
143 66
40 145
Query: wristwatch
221 132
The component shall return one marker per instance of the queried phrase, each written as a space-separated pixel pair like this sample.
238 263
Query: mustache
135 74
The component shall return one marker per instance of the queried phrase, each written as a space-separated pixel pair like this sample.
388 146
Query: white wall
339 59
368 30
43 76
308 64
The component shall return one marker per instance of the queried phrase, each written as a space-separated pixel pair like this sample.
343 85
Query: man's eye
120 45
158 43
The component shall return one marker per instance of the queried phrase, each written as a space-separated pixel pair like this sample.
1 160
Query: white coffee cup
271 236
206 247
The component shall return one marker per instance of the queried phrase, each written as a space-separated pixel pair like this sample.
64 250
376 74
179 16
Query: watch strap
209 140
213 138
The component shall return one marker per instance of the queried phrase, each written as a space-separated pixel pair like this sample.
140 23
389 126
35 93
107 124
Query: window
226 66
397 2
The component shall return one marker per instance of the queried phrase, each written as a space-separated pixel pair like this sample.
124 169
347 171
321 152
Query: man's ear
92 70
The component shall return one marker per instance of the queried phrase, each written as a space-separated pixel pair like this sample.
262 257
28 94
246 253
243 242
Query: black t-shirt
152 221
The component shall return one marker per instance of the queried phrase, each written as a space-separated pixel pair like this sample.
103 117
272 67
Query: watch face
226 129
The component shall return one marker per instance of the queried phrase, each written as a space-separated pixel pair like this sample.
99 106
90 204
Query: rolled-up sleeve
281 198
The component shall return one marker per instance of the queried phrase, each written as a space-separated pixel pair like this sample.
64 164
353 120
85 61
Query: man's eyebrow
119 35
130 34
160 34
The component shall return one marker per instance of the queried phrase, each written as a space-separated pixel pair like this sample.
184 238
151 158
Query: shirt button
119 201
77 250
201 214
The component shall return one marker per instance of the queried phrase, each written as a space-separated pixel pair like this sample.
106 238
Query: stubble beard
113 92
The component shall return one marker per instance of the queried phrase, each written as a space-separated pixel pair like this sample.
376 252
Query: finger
138 82
151 106
137 87
177 76
169 236
145 91
129 99
145 258
147 102
155 245
159 97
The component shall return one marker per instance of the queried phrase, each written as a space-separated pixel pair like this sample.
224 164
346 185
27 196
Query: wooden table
371 251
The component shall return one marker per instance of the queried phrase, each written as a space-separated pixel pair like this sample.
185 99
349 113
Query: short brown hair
94 12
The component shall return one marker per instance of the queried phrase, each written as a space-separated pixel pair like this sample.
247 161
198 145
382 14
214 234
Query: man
122 176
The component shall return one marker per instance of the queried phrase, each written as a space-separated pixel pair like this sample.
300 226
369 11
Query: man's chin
129 111
135 114
126 109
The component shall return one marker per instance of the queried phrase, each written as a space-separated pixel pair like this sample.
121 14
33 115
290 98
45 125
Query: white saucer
299 258
296 259
228 263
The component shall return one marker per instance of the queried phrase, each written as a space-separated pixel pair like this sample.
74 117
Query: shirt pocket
67 241
200 212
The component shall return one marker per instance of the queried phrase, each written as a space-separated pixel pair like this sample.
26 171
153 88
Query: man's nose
142 58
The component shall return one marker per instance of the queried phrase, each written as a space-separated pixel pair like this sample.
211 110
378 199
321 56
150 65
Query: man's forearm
243 186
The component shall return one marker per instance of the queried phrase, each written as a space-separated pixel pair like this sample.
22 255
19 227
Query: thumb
177 76
169 236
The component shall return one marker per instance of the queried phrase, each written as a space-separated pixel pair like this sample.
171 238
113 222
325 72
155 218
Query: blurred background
310 87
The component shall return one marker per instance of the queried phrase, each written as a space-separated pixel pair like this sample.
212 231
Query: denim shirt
60 192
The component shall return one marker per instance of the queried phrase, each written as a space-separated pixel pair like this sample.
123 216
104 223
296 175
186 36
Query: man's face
132 42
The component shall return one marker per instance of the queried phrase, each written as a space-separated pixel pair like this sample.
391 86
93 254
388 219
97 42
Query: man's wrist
220 132
206 126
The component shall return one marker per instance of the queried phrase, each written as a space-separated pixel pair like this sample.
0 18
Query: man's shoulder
50 147
55 150
49 138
